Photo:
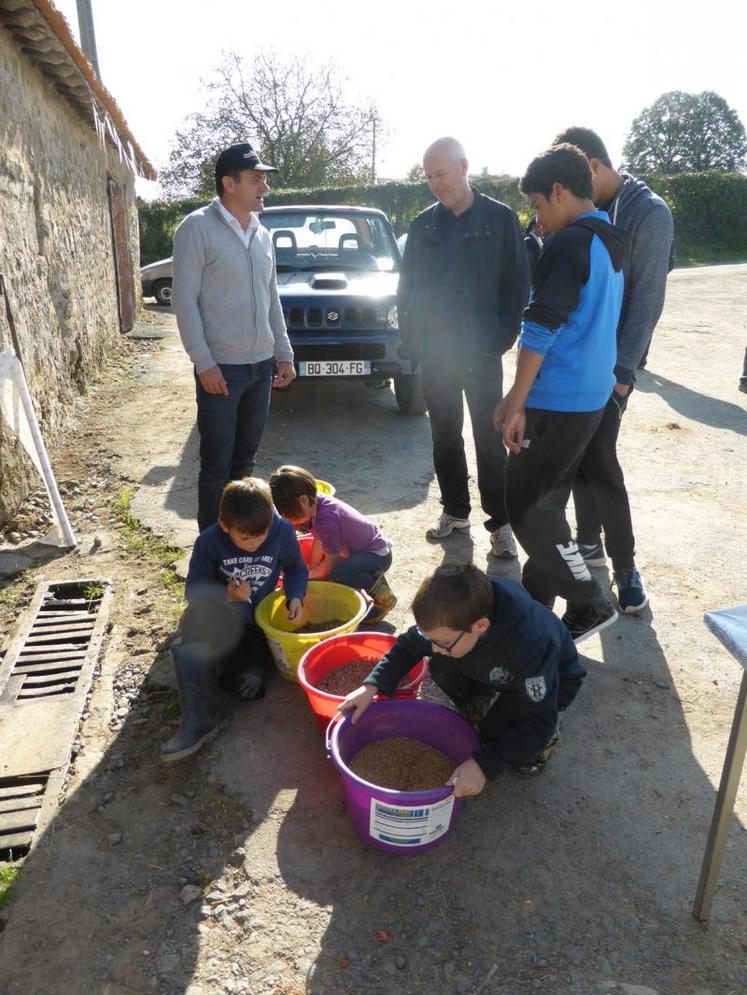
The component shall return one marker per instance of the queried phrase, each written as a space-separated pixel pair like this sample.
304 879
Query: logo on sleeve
536 688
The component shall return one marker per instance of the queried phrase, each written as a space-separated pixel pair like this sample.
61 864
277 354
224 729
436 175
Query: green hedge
400 201
710 210
710 214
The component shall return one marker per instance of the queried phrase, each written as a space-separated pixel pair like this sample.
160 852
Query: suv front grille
333 317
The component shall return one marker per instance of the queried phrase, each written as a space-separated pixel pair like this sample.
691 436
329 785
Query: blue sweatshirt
572 317
216 561
526 650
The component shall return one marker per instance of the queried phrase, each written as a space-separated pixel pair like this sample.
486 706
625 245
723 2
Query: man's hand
239 592
285 373
213 382
295 609
358 701
622 389
468 779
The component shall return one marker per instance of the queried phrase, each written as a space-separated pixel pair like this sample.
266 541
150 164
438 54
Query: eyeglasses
441 646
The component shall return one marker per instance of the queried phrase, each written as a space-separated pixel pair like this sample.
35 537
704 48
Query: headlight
391 318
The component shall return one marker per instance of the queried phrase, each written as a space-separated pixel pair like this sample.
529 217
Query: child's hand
239 592
468 779
514 427
295 609
358 701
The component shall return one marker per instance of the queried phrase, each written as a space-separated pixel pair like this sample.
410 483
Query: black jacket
526 650
492 281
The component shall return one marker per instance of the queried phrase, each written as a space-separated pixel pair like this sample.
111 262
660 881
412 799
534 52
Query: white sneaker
445 526
502 543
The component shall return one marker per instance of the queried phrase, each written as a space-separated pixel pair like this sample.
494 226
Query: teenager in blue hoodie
234 564
564 377
507 663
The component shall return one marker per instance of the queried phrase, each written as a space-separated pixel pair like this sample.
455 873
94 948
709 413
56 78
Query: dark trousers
360 570
599 492
230 432
234 646
443 386
512 719
538 485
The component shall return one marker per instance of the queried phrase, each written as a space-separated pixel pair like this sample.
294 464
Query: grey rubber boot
196 679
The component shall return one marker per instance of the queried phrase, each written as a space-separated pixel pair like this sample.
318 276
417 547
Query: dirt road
577 883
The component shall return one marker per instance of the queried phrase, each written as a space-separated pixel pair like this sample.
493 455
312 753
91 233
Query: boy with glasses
490 644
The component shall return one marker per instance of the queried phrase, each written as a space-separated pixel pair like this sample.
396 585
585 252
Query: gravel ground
239 872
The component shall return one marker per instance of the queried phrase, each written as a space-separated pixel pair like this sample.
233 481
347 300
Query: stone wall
55 251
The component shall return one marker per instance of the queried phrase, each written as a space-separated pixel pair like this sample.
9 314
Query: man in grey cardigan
231 322
599 493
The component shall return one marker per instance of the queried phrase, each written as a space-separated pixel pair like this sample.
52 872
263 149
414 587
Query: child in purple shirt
347 548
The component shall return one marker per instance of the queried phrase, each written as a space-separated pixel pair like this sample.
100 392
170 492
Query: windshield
306 240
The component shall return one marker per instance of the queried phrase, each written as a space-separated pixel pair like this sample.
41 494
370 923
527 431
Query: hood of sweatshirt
615 240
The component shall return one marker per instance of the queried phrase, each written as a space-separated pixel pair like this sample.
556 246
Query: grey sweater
225 296
645 216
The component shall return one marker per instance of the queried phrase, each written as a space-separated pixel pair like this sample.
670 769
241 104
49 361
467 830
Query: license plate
335 368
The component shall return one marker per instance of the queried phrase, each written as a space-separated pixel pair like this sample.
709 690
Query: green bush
709 209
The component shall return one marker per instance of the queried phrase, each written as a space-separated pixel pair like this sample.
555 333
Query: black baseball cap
239 156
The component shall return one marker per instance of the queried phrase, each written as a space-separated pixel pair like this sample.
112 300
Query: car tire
162 292
408 390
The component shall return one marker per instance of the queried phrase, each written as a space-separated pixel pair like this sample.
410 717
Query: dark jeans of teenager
538 485
232 644
360 570
230 432
443 386
599 492
530 730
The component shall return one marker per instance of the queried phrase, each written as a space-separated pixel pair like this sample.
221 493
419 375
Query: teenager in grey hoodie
599 494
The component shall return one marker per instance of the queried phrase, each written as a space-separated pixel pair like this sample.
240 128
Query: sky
503 78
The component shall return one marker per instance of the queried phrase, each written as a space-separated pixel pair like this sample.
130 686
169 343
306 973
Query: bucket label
410 825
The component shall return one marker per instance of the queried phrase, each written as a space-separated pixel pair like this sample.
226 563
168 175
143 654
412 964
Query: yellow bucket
323 487
324 601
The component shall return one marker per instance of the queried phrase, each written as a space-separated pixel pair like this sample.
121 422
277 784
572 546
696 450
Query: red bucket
338 650
305 542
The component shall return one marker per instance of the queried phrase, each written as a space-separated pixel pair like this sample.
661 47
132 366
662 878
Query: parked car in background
156 281
337 270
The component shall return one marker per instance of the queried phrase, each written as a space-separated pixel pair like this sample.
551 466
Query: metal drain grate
20 806
44 679
54 651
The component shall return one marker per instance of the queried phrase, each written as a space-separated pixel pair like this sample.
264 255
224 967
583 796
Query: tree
686 133
416 173
293 114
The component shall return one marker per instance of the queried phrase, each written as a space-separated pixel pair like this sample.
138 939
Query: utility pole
374 119
87 34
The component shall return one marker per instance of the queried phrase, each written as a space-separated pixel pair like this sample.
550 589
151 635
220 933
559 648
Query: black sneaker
587 620
538 763
593 554
631 594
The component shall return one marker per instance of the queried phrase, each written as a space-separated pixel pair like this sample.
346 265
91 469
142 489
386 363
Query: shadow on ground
691 404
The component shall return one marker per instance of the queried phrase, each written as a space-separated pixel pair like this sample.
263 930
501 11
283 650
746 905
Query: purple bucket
401 821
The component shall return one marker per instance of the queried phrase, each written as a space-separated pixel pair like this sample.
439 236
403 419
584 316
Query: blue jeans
230 432
360 570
